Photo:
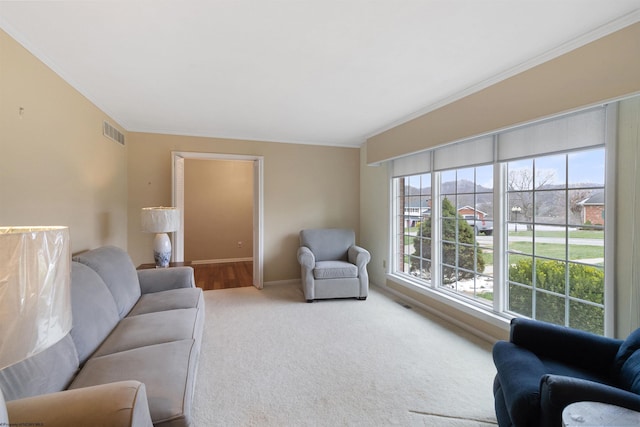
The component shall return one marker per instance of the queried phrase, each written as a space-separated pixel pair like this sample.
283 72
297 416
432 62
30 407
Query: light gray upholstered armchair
332 265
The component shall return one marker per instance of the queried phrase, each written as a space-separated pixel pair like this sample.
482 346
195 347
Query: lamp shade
160 220
35 298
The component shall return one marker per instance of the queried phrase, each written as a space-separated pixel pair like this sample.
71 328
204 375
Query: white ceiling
328 72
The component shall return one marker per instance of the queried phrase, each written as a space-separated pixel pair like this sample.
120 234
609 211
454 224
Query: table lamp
35 296
160 220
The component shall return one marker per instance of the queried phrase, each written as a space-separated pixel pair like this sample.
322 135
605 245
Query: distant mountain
550 198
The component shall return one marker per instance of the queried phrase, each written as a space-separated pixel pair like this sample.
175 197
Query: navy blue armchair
544 367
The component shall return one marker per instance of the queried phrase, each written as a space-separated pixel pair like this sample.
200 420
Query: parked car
481 226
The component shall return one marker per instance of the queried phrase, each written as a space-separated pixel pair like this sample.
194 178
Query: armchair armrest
164 279
116 404
306 258
557 392
359 256
519 373
571 346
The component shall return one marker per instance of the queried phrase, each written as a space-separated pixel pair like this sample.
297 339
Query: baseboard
220 261
283 282
444 316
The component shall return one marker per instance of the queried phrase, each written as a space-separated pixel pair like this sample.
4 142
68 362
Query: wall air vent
112 133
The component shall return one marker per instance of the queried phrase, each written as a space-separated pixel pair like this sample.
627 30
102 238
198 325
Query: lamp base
162 250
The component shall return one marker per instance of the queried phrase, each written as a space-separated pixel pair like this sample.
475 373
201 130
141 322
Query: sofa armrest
359 256
557 392
116 404
307 261
4 417
571 346
164 279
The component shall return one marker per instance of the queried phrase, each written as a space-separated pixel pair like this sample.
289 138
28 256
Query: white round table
591 414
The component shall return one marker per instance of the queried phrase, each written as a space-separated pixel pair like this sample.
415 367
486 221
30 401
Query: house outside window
542 188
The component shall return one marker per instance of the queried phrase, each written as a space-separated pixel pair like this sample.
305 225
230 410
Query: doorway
178 179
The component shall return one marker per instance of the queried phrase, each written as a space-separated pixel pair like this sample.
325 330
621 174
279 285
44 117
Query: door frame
177 178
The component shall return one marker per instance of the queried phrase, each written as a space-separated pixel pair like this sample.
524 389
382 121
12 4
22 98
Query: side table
591 414
171 264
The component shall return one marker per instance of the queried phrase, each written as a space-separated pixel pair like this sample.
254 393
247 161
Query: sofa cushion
117 271
94 311
149 329
49 371
169 394
168 300
334 270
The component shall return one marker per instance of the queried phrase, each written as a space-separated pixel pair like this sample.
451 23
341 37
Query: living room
57 167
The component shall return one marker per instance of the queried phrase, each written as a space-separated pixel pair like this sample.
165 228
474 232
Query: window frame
496 313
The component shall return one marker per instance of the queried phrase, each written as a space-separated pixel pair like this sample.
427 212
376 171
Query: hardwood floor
223 275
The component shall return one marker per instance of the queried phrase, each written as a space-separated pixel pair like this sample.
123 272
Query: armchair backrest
628 362
328 244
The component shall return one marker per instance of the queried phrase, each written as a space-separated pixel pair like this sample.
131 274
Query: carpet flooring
270 359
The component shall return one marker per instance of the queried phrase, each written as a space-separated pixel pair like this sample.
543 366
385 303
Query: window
556 239
518 214
414 203
466 221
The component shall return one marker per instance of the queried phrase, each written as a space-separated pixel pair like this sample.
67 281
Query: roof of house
595 199
471 208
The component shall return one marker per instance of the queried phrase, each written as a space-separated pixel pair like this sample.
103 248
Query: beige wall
56 167
304 186
375 216
218 209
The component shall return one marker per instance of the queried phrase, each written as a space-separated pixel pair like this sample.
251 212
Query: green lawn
575 234
551 250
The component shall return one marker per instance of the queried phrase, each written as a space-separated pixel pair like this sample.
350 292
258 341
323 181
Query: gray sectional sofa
130 359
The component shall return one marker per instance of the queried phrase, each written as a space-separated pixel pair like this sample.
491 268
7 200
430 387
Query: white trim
258 203
611 130
177 200
500 238
502 322
258 221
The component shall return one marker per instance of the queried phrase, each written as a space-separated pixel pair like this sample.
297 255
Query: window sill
464 314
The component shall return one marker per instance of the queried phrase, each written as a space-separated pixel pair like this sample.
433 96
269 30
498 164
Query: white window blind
584 129
412 165
471 152
580 130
